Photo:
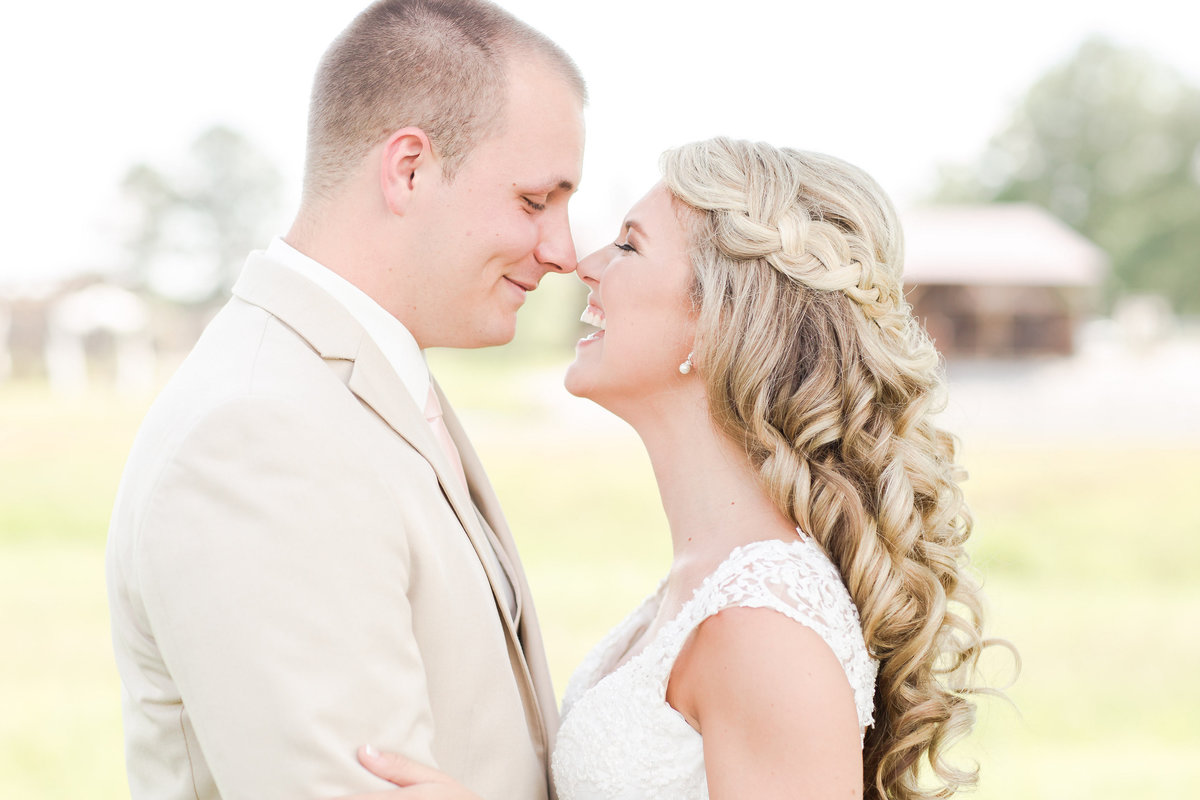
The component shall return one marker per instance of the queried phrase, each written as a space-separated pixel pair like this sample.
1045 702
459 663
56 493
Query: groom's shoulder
245 353
212 435
248 372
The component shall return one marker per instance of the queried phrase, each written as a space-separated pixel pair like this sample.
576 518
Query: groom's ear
406 164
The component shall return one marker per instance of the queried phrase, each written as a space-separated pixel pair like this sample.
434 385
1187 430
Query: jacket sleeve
274 569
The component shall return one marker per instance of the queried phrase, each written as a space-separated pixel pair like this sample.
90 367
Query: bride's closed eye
626 246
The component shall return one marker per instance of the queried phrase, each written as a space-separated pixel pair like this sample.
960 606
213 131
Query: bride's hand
417 781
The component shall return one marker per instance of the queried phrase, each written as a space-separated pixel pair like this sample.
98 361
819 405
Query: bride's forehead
654 211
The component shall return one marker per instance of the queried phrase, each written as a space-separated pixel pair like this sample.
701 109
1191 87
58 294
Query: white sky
89 88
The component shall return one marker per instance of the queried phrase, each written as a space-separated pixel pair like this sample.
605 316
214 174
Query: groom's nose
556 248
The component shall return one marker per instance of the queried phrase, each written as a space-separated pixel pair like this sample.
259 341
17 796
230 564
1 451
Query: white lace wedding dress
620 740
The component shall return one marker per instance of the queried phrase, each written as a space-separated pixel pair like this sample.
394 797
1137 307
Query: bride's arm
417 781
773 705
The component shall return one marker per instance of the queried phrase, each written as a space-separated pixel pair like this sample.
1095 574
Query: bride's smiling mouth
592 315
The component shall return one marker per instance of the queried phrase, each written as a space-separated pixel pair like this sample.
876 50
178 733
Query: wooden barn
1006 280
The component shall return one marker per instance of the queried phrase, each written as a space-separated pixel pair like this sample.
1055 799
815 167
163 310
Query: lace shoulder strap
799 581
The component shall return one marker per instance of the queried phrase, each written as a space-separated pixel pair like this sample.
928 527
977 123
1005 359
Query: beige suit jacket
294 571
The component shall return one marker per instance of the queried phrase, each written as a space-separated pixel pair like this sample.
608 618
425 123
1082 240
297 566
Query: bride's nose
591 268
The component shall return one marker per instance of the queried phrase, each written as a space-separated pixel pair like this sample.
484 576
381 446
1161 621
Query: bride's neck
710 492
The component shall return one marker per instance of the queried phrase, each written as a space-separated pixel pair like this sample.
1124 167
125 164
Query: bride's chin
574 381
583 379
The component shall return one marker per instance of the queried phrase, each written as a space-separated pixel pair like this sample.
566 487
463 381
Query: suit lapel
374 381
533 656
336 336
300 304
377 385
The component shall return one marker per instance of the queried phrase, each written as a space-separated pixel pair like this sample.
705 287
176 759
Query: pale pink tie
493 552
433 415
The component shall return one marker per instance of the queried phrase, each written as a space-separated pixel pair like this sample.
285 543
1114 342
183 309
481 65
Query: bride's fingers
398 769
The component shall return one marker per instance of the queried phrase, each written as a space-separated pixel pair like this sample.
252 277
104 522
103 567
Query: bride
817 632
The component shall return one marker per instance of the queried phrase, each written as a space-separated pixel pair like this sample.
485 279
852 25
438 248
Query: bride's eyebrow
634 225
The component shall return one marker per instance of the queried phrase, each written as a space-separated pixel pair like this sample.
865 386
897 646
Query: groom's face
500 224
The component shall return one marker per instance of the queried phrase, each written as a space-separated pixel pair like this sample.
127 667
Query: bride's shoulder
798 580
796 571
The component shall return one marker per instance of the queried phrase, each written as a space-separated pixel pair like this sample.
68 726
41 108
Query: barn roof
997 244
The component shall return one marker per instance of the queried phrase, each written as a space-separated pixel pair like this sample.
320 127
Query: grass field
1090 557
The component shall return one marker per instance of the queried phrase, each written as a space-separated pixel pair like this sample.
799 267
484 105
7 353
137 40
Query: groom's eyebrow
553 184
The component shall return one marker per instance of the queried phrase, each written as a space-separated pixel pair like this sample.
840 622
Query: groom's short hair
439 65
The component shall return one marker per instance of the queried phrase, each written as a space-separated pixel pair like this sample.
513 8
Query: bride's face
639 301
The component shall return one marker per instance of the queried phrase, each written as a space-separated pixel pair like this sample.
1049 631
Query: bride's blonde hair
814 363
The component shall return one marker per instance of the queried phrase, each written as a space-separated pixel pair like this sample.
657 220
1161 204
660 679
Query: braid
815 365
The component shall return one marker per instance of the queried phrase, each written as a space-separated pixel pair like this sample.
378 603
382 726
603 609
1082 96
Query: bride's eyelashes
625 246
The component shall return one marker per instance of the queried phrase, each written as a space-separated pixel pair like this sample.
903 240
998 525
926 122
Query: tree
192 228
1110 143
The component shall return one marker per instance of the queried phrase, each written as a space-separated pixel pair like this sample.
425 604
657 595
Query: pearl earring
686 366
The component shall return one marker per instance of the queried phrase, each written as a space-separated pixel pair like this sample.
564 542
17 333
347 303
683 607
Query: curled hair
439 65
813 362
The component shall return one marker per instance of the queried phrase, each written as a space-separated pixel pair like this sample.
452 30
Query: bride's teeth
592 316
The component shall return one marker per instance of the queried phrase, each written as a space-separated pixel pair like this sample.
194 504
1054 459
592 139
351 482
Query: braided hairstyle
813 362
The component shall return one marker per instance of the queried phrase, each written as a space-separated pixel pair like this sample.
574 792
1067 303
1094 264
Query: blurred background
1046 159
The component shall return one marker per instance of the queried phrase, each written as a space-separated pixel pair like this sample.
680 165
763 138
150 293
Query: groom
305 553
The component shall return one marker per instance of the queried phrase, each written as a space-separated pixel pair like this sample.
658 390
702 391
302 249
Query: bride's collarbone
668 610
683 582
